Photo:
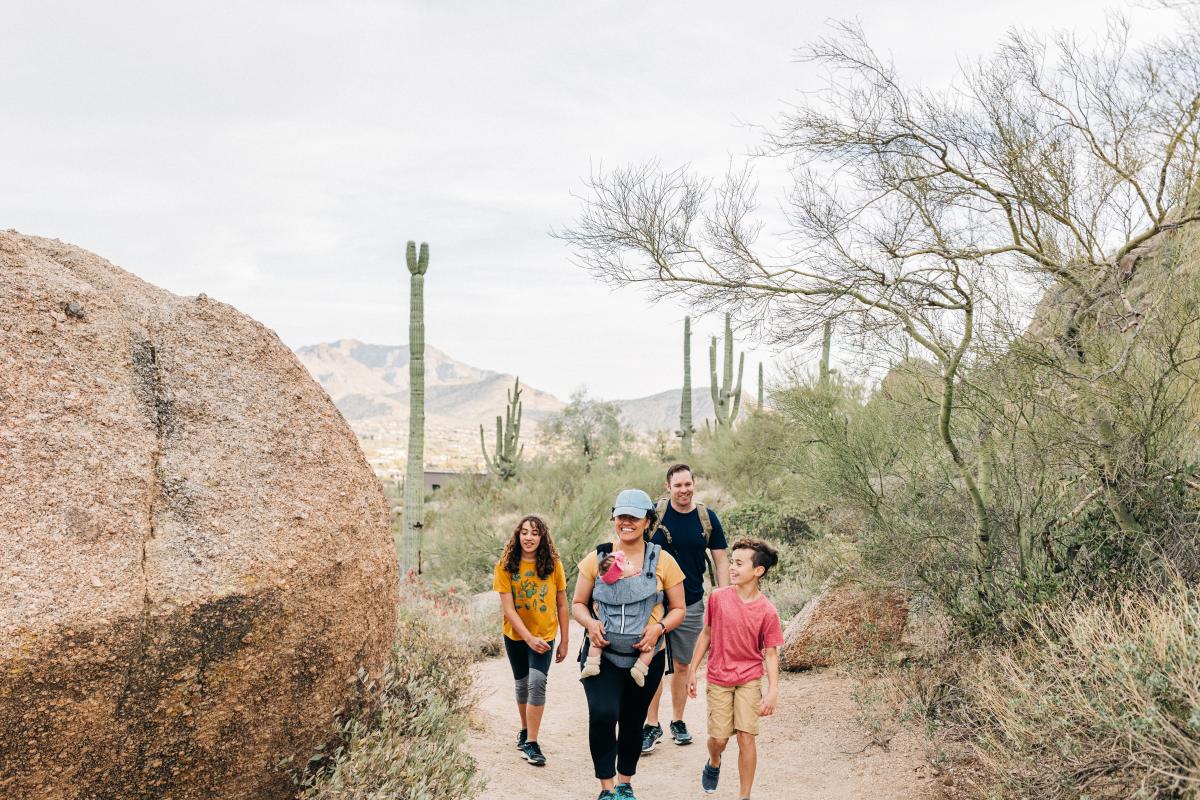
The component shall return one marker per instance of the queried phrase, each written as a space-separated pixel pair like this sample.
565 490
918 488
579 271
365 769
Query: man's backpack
705 525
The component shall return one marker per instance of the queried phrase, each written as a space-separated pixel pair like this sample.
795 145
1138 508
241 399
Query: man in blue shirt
682 534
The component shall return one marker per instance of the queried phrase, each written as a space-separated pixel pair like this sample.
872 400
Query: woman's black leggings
529 669
616 713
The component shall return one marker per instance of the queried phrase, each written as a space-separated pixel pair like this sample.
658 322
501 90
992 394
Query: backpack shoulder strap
705 522
660 510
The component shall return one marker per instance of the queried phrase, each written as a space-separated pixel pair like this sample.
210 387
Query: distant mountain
369 384
660 412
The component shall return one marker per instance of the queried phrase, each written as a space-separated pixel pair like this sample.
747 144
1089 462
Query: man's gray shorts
683 639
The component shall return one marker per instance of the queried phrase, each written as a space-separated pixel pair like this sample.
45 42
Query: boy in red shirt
743 628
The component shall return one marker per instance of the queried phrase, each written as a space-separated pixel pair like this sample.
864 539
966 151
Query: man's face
681 488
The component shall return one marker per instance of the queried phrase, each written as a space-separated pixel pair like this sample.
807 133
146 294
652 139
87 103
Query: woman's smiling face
531 537
629 528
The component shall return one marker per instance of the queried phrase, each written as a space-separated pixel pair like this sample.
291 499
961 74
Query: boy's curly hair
765 555
544 557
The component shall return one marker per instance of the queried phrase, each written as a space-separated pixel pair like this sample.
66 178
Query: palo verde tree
919 218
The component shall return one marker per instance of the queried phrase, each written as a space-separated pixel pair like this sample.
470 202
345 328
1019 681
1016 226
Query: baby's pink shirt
740 633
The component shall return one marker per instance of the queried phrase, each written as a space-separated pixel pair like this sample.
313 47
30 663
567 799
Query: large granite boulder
196 559
844 622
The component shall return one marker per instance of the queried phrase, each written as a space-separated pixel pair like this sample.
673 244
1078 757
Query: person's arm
721 566
771 698
564 625
697 654
672 620
581 610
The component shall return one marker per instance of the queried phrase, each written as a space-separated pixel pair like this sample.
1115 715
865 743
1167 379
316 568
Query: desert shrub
784 522
411 746
1099 700
472 521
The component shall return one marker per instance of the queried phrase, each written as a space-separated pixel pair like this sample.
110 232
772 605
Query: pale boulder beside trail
843 623
196 559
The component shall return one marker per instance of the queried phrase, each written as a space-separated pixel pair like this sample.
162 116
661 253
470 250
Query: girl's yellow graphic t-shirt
534 598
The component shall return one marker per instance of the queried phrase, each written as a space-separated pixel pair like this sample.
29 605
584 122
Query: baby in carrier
624 608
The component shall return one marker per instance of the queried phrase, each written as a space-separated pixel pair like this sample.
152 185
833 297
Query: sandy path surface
811 749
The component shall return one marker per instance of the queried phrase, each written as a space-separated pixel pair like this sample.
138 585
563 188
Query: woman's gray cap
633 503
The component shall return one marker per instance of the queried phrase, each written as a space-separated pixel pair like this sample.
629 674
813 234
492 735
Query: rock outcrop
196 556
842 623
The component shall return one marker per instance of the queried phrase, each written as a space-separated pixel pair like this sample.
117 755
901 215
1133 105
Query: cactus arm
736 398
713 384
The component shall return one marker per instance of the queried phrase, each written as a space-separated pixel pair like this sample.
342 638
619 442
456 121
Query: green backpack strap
706 525
660 509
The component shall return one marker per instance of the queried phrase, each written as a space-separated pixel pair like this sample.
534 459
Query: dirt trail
811 749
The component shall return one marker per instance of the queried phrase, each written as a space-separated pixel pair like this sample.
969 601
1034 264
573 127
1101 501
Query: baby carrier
624 607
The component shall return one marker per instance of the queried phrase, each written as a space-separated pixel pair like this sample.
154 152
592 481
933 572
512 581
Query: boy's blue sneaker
709 777
679 732
650 736
624 791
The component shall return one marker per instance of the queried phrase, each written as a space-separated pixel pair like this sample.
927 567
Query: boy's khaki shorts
733 708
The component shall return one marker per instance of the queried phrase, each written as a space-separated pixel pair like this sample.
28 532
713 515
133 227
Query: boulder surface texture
843 623
196 558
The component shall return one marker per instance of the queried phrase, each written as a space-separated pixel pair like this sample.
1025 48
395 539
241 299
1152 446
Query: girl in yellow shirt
533 594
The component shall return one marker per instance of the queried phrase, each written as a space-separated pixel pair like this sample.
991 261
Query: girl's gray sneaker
709 777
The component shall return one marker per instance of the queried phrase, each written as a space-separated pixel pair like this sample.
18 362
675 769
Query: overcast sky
277 155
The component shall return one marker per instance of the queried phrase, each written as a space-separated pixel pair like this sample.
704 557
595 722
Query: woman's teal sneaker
624 791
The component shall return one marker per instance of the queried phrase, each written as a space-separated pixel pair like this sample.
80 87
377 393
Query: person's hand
537 644
649 638
596 633
768 703
691 685
561 654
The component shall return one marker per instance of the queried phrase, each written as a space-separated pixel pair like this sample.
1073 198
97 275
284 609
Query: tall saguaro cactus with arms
506 454
414 470
727 400
685 402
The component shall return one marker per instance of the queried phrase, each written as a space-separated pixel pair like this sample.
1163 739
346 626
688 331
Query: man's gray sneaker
709 777
624 791
650 736
533 754
679 732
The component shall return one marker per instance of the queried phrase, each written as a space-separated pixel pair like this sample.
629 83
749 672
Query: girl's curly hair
545 556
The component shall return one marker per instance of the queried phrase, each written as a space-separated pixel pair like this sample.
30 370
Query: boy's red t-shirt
740 633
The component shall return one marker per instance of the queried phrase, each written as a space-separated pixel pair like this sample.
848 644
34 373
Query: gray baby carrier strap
625 607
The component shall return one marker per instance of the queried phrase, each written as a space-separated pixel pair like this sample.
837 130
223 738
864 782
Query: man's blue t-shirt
687 546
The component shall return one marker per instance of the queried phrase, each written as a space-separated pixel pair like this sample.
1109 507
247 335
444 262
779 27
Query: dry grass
1098 701
411 747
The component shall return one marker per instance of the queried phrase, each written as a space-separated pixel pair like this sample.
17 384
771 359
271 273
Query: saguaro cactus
414 470
826 339
727 401
506 453
685 403
760 387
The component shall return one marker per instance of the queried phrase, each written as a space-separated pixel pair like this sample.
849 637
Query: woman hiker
626 618
533 595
